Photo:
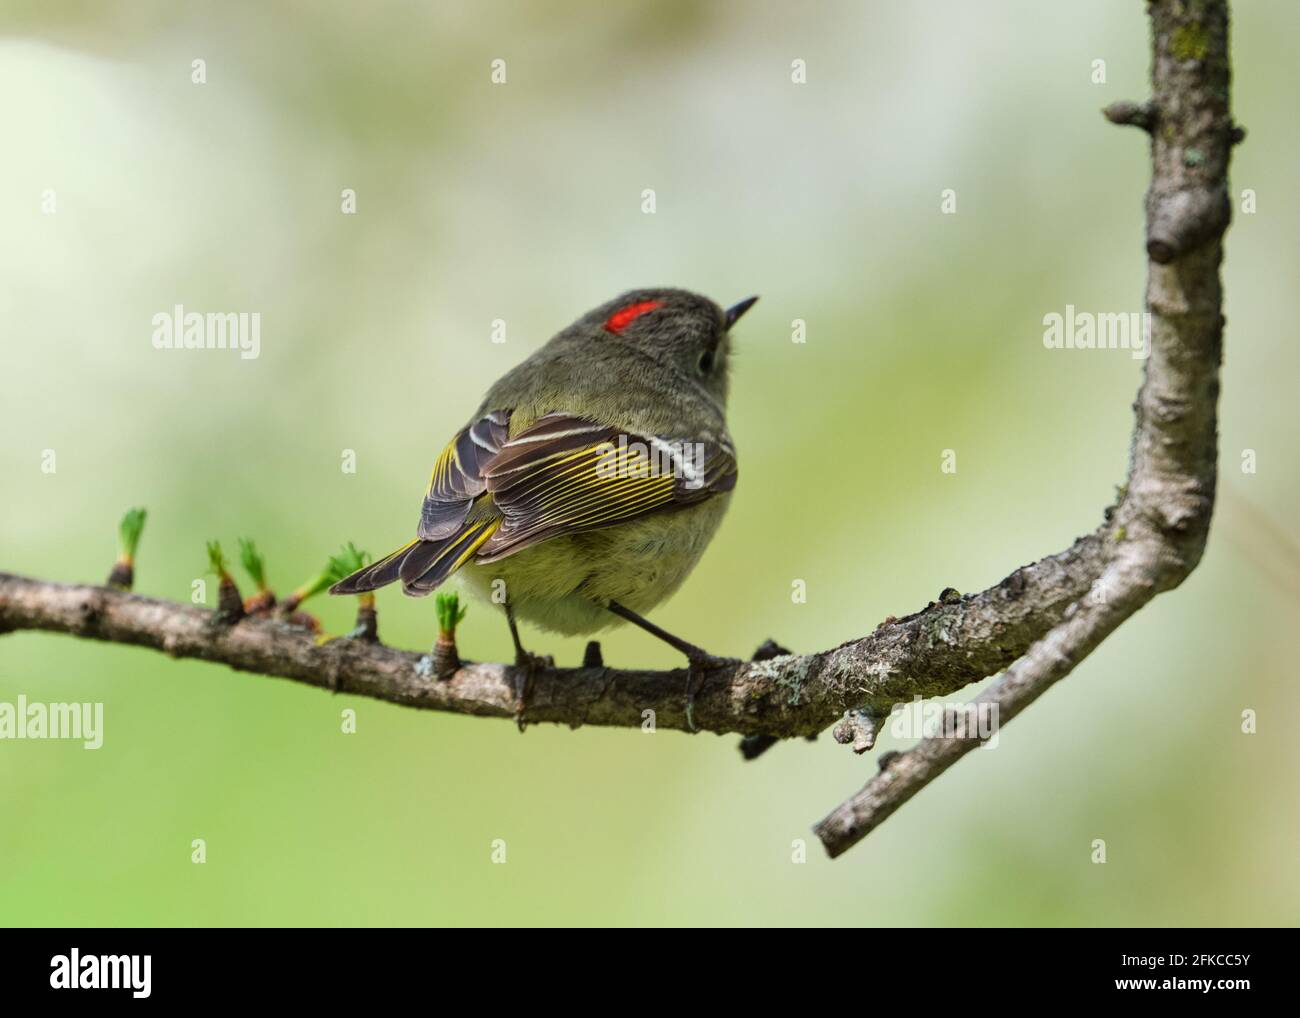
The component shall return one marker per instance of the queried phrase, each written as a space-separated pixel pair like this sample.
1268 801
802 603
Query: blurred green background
522 202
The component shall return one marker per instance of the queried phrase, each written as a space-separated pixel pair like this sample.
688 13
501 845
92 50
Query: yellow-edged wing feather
490 496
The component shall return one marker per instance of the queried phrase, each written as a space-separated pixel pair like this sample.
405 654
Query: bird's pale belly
564 584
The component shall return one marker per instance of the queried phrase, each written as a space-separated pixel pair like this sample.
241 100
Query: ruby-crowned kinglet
586 486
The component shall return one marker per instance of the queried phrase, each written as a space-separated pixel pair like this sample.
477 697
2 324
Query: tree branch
1164 517
1044 617
940 649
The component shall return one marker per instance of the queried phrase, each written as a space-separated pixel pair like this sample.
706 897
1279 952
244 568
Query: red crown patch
623 317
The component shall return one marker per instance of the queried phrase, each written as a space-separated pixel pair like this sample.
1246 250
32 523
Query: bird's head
684 330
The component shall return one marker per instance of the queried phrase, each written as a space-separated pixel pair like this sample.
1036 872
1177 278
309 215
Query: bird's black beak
736 310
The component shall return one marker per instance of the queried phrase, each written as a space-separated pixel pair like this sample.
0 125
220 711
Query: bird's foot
698 667
526 668
700 662
424 667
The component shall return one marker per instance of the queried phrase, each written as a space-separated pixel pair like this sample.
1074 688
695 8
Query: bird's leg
526 668
699 661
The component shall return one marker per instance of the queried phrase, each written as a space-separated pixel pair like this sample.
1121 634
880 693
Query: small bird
588 483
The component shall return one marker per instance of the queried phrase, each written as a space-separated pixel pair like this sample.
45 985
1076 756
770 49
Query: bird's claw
698 667
526 668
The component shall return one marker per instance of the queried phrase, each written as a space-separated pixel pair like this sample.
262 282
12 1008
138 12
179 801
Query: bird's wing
458 477
564 474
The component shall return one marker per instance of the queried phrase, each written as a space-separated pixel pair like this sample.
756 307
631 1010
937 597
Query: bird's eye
706 362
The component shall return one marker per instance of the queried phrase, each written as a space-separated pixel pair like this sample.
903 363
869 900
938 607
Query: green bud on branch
122 576
344 564
255 565
450 613
230 606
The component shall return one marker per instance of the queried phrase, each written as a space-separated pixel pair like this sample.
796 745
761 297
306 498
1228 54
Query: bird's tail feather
430 562
421 565
376 575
